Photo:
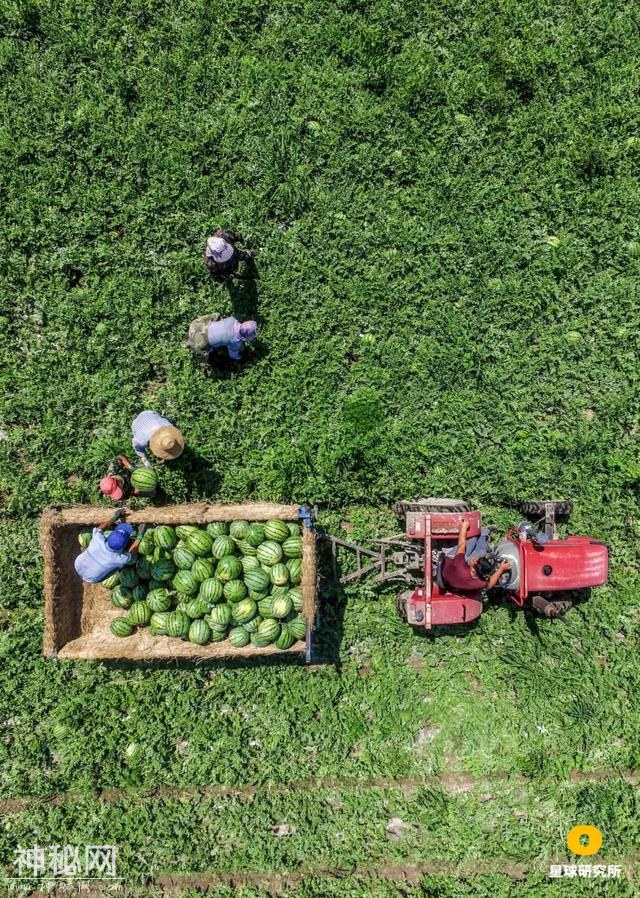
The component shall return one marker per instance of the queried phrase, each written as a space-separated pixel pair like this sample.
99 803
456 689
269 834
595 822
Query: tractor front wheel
432 506
537 510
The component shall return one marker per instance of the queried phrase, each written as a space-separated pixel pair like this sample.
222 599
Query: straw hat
167 442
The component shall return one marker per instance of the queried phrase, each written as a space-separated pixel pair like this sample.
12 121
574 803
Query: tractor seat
438 572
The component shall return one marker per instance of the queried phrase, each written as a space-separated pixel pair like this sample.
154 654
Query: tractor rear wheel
537 509
432 505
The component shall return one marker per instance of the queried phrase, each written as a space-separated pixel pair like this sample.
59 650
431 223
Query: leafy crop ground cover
443 202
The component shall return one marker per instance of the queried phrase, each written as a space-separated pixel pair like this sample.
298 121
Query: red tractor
546 574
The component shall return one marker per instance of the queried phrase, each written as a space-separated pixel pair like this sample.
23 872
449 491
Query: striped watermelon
257 596
267 632
252 625
218 635
139 614
185 530
183 558
178 624
217 528
223 546
294 566
269 552
165 536
164 569
120 626
155 584
239 637
234 591
186 582
147 544
246 549
239 529
276 530
279 591
219 617
296 598
286 638
121 597
244 611
199 543
249 563
84 539
203 569
279 575
158 623
144 479
143 567
294 529
196 608
211 590
282 606
255 535
298 627
128 577
111 581
139 592
265 607
292 547
229 568
257 581
159 599
199 632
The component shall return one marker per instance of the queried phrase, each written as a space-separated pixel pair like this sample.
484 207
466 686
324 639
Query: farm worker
211 332
116 485
105 555
161 436
473 567
222 257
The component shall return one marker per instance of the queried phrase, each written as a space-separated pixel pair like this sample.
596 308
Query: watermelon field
442 200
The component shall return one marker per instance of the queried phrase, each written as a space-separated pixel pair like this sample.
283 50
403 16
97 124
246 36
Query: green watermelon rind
244 611
199 632
239 637
276 530
121 627
178 624
269 552
223 546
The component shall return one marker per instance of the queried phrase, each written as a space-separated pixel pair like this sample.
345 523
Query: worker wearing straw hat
222 257
159 434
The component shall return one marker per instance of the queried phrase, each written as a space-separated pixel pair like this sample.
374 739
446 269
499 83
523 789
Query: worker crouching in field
159 434
117 485
222 257
107 554
473 567
211 333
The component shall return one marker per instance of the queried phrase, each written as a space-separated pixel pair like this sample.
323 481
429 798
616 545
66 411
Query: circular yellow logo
591 834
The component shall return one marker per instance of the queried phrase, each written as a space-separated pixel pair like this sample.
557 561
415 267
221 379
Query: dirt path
454 783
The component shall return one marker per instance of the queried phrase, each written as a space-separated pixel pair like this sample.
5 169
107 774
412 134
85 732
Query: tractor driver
473 567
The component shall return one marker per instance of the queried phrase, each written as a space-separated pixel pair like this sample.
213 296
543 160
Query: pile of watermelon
238 582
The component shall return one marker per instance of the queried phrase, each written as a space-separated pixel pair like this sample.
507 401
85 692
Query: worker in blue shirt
105 555
212 332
